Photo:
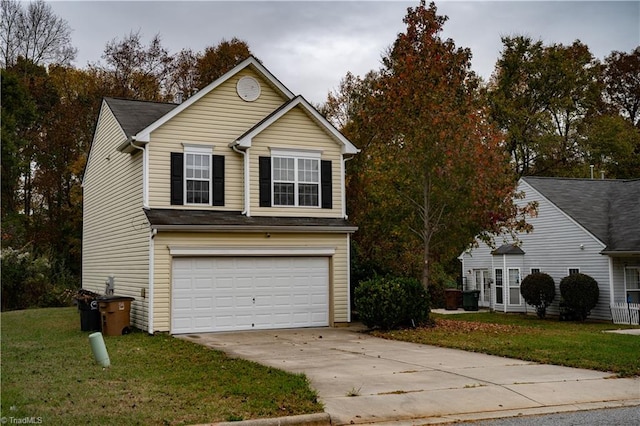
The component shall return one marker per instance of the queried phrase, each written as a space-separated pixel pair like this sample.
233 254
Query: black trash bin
470 300
89 315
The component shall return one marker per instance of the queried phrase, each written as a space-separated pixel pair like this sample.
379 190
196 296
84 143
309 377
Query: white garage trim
180 251
225 293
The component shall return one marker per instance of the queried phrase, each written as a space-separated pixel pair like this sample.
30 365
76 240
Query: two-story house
224 212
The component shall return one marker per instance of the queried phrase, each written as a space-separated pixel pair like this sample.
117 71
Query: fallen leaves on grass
473 327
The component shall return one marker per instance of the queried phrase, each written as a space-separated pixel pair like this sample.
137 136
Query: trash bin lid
115 298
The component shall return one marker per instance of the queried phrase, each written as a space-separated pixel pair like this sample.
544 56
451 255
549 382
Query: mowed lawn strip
48 371
549 341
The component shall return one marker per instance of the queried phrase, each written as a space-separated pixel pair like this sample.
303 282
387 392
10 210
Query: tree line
441 149
49 112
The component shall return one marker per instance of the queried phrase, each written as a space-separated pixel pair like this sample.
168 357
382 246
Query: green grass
549 341
48 371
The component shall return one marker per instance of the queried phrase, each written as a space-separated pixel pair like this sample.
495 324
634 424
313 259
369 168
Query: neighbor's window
499 286
514 286
535 270
632 283
573 271
296 181
197 178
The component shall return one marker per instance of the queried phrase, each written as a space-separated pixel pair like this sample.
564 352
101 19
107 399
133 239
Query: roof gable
144 134
245 140
608 209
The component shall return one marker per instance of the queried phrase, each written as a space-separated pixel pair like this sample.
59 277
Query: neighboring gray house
582 225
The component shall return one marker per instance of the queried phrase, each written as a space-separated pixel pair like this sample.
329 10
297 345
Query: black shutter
218 180
325 184
265 181
177 176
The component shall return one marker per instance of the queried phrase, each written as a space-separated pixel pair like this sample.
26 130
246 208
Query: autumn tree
136 70
540 96
217 60
622 84
34 33
432 172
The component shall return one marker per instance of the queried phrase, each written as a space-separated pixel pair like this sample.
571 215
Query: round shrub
580 294
538 290
392 302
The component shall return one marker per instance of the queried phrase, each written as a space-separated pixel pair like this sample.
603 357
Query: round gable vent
248 88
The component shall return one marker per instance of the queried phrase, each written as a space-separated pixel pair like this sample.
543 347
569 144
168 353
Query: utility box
115 315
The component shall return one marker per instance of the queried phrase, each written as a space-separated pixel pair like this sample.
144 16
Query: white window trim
626 287
501 286
297 154
510 287
198 150
569 270
537 269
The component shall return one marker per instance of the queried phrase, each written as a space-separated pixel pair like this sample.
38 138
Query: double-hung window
632 283
296 180
197 181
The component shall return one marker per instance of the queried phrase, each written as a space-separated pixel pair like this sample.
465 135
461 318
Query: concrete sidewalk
363 379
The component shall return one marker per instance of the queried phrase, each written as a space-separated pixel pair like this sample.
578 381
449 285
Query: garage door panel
243 293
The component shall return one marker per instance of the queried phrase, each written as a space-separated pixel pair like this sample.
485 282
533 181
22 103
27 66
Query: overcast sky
310 46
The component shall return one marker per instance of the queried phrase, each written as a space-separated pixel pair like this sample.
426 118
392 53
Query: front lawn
48 372
549 341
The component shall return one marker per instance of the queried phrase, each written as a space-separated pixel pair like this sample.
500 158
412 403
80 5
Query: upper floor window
197 178
296 181
296 178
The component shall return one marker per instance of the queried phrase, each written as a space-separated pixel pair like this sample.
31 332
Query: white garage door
247 293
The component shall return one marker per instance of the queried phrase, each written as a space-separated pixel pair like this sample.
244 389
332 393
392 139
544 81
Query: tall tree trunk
426 236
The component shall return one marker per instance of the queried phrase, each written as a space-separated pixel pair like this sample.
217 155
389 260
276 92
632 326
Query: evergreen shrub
392 302
580 294
538 290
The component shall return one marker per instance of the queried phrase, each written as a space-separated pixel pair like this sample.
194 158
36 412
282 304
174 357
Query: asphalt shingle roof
608 209
179 218
133 116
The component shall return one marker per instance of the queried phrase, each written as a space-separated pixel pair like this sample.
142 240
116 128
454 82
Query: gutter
257 228
245 196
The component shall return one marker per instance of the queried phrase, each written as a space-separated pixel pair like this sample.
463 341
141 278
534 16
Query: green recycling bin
470 300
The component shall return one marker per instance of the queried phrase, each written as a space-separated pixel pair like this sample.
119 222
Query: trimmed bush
538 290
580 294
392 302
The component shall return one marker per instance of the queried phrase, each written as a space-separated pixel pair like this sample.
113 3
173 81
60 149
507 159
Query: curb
317 419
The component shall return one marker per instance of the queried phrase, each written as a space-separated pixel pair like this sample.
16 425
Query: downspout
145 203
245 161
145 171
151 277
611 286
343 165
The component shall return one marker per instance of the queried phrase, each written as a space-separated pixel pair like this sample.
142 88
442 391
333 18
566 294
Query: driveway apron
364 379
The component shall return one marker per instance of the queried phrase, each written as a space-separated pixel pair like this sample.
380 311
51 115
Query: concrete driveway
363 379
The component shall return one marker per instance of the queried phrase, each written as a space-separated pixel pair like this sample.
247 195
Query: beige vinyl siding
338 272
115 230
296 130
216 120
